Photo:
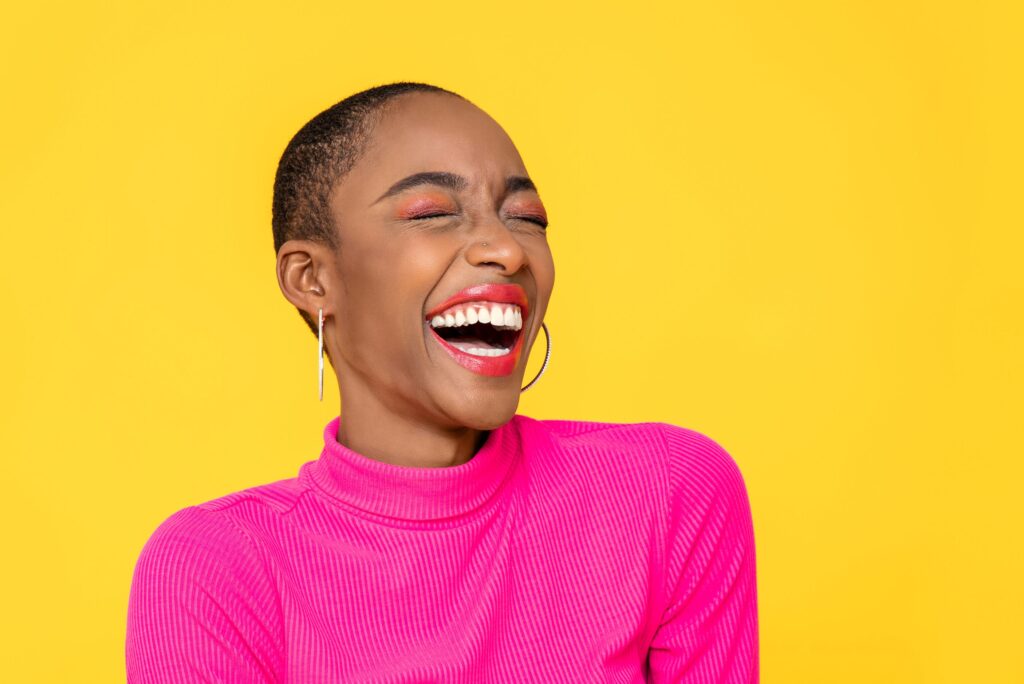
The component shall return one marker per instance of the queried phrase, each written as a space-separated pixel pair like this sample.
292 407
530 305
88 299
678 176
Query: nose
496 245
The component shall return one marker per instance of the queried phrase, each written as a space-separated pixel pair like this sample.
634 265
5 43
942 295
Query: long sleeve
202 607
709 630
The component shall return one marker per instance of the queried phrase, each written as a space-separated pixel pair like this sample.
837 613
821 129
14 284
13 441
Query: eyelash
536 220
426 216
533 219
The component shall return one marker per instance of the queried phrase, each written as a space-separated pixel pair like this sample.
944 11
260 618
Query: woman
440 536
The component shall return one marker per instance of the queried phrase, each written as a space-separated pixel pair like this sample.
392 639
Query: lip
491 292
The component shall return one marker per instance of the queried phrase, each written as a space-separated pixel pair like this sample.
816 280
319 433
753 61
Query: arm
708 631
202 607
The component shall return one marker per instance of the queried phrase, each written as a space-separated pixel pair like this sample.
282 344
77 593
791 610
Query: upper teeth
501 316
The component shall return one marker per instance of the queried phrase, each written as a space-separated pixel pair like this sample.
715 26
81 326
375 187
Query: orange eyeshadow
531 208
424 204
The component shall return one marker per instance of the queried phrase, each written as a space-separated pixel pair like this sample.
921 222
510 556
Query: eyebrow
452 181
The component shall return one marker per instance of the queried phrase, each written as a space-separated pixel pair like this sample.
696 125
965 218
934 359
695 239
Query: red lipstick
489 292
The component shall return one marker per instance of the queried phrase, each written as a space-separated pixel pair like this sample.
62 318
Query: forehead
436 132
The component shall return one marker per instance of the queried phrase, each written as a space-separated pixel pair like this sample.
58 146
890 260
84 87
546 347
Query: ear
305 275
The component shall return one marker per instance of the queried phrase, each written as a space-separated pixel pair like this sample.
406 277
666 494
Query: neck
376 431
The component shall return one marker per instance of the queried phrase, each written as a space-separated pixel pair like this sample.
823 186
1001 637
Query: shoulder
197 555
678 446
276 498
253 513
570 433
690 463
709 511
195 540
626 447
224 531
694 459
200 582
660 450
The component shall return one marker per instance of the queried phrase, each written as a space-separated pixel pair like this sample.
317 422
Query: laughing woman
440 536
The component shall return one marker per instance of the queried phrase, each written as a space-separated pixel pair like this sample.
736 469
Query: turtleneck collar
411 492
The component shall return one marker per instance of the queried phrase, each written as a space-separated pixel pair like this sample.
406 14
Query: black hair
318 156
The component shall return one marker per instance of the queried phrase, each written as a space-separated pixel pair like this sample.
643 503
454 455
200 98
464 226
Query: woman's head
385 206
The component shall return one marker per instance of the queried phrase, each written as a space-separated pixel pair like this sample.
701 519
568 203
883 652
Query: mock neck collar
412 492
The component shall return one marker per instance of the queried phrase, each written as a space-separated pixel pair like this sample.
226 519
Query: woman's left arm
709 629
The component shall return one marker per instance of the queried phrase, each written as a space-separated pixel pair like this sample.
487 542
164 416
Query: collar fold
415 493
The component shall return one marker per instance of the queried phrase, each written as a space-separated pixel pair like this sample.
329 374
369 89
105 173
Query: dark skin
406 401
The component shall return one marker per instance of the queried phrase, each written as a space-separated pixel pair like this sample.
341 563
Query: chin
485 411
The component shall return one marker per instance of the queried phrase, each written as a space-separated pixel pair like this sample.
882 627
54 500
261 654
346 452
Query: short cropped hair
318 156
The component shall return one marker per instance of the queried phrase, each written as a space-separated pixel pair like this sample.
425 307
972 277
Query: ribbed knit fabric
563 551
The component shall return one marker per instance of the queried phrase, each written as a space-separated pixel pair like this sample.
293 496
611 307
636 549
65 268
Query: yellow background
793 226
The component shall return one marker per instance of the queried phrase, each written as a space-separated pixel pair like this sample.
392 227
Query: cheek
389 288
542 263
427 258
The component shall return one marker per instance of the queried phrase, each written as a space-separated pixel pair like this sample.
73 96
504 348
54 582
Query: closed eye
429 215
538 220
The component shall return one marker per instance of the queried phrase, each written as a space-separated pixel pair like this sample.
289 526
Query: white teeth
504 317
480 351
477 351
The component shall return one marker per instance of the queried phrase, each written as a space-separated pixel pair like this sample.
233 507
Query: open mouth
480 328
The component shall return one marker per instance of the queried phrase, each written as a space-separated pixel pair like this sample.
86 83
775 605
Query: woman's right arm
202 606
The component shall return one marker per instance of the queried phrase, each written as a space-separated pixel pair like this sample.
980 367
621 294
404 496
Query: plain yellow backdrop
793 226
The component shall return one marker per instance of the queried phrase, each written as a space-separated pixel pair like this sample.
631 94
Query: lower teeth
480 351
489 352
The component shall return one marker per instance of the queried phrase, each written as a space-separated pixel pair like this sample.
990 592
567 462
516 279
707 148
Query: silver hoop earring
547 357
320 353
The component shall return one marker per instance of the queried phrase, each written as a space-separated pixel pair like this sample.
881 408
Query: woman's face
439 202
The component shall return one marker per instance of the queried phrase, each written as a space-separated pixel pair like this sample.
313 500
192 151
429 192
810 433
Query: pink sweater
563 551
